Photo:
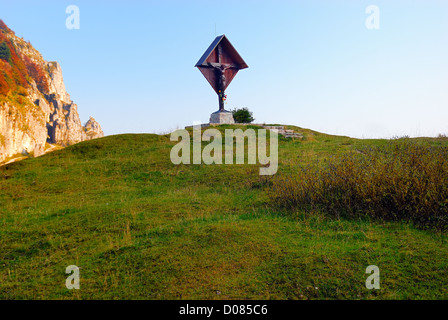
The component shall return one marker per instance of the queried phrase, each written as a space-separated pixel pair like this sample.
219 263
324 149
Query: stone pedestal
222 117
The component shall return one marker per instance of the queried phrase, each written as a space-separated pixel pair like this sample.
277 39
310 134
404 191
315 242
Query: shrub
400 181
242 115
21 91
4 87
5 53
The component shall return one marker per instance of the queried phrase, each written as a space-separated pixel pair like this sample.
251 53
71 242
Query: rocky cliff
35 108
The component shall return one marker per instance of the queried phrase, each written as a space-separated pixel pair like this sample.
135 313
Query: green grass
139 227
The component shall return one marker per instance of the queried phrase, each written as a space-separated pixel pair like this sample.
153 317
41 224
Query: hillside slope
140 227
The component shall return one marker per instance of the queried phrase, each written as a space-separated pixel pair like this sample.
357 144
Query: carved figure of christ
220 69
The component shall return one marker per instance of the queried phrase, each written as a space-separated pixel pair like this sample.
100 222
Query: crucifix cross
220 69
219 65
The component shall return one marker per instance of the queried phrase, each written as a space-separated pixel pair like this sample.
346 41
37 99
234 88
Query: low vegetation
5 53
242 115
16 70
401 180
139 227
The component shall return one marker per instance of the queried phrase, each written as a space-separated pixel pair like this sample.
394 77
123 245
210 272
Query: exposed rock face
39 110
57 82
20 132
93 129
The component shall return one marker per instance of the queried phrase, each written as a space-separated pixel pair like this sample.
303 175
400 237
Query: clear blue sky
312 64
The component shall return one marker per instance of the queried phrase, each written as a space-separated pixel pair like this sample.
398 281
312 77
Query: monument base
222 117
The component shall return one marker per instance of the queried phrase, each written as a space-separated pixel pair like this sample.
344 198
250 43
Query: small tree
5 53
242 115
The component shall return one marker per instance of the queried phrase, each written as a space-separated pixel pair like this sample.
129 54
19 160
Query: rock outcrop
35 108
93 129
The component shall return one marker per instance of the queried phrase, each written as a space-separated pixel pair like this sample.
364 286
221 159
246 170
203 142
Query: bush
5 53
4 87
242 115
400 181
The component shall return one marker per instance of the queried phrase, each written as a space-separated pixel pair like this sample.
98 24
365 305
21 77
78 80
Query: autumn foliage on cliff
36 72
4 27
16 71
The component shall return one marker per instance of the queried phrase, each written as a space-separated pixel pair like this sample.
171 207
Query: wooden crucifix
219 65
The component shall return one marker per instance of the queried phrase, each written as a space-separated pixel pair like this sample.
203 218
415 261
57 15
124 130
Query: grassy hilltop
139 227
